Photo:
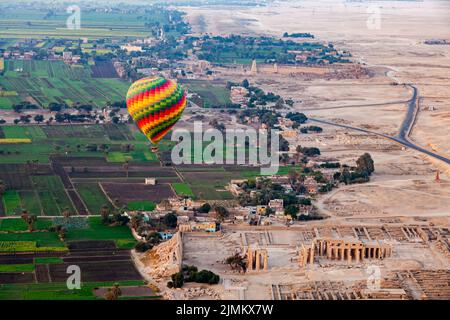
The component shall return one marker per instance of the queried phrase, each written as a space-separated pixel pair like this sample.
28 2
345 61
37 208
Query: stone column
349 255
300 258
250 259
357 254
266 261
258 260
328 250
311 257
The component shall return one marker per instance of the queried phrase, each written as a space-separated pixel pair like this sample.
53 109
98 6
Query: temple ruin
343 250
166 258
257 259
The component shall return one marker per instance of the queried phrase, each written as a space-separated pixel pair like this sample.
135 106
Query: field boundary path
69 188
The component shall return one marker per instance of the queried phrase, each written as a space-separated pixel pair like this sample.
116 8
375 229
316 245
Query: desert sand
404 180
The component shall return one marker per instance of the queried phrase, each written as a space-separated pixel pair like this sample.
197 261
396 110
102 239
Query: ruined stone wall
166 258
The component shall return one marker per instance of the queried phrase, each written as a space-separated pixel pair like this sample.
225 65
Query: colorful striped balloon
155 104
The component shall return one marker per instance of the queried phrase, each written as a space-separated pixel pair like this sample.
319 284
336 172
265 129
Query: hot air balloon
155 104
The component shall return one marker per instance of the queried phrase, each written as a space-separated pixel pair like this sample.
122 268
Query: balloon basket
154 149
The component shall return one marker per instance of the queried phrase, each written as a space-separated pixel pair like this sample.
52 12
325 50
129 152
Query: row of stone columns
257 259
343 250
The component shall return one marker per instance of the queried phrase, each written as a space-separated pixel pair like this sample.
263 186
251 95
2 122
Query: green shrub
178 279
206 276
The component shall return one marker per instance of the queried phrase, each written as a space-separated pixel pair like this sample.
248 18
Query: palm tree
116 290
66 213
136 221
61 231
113 293
29 219
236 261
104 212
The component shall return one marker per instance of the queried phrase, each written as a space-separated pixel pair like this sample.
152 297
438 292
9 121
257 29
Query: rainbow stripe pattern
155 104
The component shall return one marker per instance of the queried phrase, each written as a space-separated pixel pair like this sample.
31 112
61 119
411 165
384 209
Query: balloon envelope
155 104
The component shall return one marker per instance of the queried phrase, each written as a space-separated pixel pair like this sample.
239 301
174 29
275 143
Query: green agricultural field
93 196
49 260
282 170
81 132
207 192
96 51
74 140
183 189
11 202
53 197
42 239
125 243
210 94
11 246
144 155
98 231
117 157
30 201
57 291
141 205
54 81
12 240
209 184
118 132
16 267
17 224
23 132
36 23
140 154
38 194
23 152
94 230
7 102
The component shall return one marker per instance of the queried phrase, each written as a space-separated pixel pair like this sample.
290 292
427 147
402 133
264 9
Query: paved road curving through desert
405 129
